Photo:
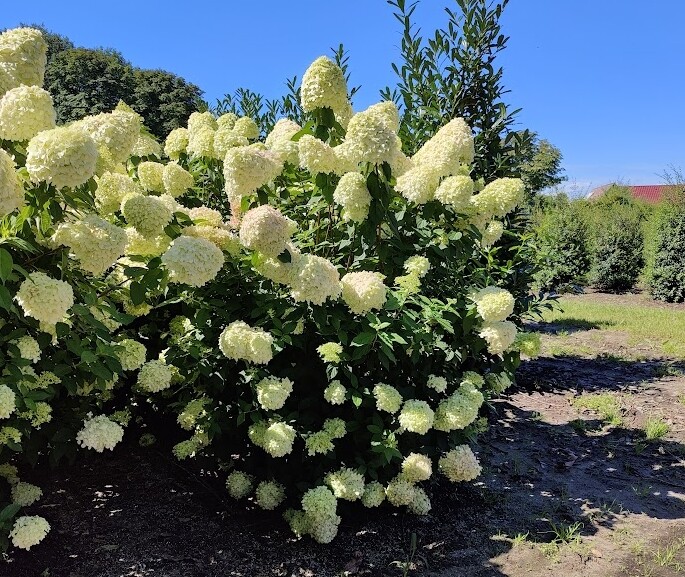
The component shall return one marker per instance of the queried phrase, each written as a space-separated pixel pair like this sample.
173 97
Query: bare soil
562 493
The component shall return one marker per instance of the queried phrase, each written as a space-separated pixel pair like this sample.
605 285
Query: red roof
651 193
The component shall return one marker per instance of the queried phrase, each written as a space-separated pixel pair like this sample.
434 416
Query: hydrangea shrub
322 315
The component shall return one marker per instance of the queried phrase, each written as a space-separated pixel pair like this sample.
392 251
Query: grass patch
656 428
604 404
664 327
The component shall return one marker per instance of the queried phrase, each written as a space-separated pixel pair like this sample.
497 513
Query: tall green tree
84 81
454 73
541 166
165 100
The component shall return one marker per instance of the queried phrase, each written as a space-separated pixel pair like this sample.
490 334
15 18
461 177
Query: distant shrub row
613 244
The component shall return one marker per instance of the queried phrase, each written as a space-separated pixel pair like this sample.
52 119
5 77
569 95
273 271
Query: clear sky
604 80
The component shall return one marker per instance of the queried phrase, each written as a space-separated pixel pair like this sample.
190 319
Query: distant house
649 193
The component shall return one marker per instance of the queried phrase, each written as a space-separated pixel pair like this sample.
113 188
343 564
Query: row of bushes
612 243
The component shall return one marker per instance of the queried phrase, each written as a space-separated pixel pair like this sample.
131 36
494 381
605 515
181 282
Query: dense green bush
666 253
563 243
321 315
616 224
617 258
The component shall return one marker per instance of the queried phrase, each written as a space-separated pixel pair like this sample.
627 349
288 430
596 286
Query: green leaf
137 291
363 338
5 298
5 265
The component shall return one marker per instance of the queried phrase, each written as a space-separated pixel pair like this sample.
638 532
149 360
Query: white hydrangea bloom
316 280
499 197
239 484
416 416
269 495
460 409
492 233
155 376
272 392
11 189
363 291
448 149
354 197
117 131
99 433
24 112
247 168
94 242
227 138
151 176
220 237
278 439
23 56
418 185
324 86
226 121
266 230
374 494
201 142
388 398
346 484
28 531
317 157
456 191
45 299
29 348
246 127
137 244
372 136
62 156
146 145
399 492
25 494
176 143
131 354
193 261
112 189
335 393
437 383
418 265
494 303
7 401
498 335
206 216
460 464
416 468
148 214
279 140
420 504
240 341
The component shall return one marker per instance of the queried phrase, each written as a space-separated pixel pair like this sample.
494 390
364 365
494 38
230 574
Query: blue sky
604 80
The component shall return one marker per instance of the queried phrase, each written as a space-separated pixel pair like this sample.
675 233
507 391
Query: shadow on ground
137 513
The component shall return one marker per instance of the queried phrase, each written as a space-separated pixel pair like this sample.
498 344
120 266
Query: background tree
164 100
540 166
84 81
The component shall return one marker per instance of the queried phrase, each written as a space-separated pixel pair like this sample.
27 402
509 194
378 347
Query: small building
649 193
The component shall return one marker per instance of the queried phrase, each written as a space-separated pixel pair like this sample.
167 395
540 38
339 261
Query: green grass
664 327
656 428
603 404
